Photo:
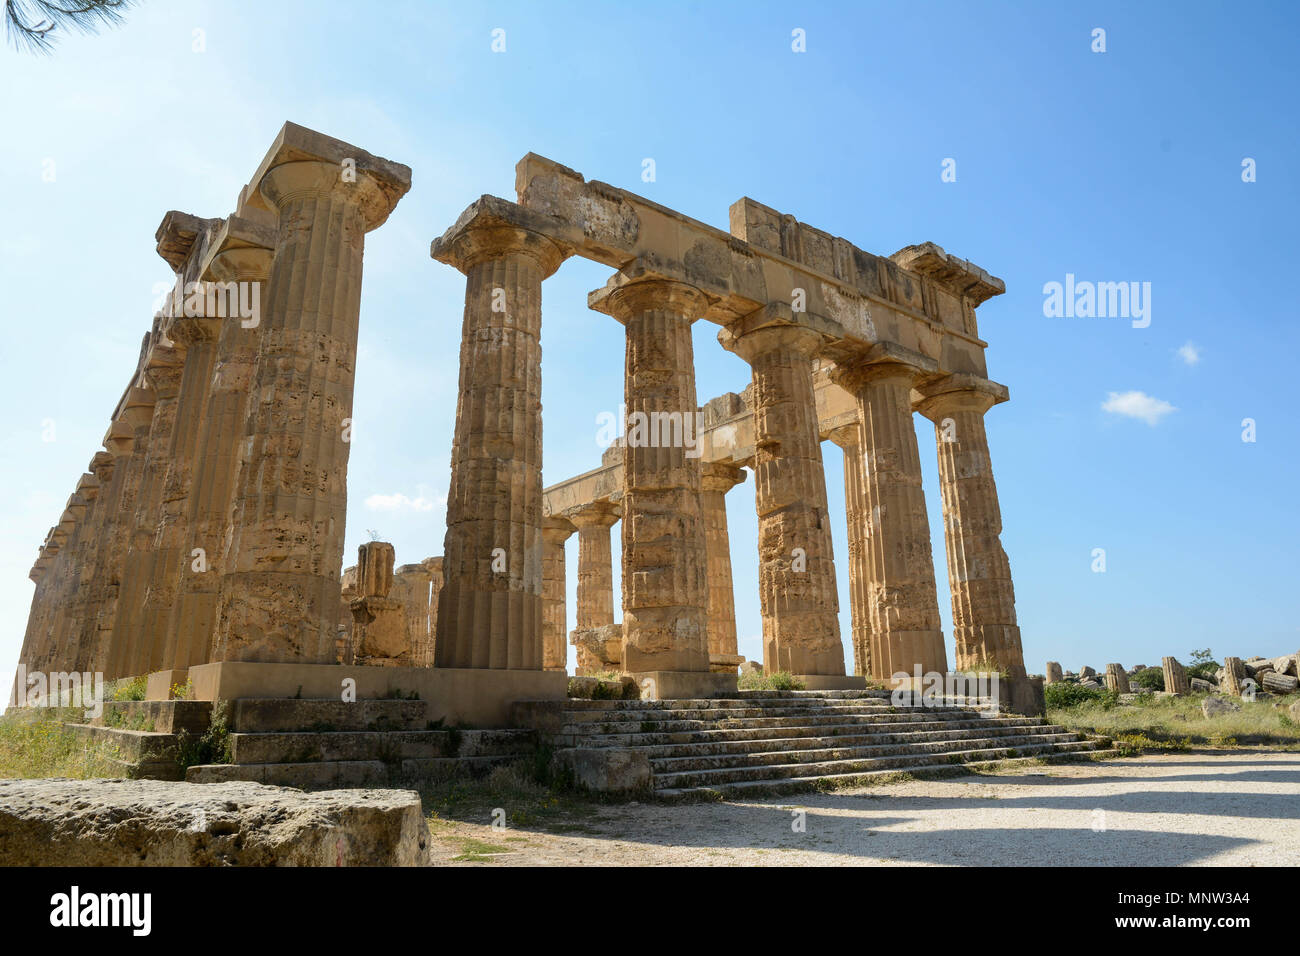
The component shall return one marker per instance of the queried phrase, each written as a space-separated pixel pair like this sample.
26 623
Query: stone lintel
294 144
959 276
601 511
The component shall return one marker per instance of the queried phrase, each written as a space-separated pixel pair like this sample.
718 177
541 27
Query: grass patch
1175 723
34 744
136 689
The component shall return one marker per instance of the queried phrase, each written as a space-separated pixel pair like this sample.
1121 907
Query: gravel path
1237 807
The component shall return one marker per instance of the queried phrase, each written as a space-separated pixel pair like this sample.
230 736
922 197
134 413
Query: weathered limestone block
1086 672
796 566
1276 683
665 585
905 626
1116 679
1234 672
157 823
1054 675
425 657
280 595
1199 686
599 648
1214 706
1175 676
717 478
411 584
605 769
1287 665
347 595
979 574
849 438
490 609
555 531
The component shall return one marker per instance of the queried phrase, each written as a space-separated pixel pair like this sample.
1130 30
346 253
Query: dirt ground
1239 807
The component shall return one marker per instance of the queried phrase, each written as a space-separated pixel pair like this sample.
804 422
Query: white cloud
1137 405
400 502
1189 353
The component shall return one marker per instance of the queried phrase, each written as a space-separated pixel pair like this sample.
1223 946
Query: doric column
411 587
595 563
555 633
665 588
163 372
244 252
717 478
796 564
58 628
434 566
103 467
979 574
280 591
490 612
81 545
128 441
849 438
905 626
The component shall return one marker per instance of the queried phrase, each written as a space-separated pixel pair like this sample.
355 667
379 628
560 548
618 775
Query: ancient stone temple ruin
205 541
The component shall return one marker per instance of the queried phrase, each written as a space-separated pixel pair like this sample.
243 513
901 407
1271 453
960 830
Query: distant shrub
780 680
1204 671
1152 678
1061 695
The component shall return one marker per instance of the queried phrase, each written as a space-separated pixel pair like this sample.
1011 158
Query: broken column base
831 681
476 697
684 685
1022 695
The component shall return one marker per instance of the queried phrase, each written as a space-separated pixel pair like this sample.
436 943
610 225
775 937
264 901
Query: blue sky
1117 166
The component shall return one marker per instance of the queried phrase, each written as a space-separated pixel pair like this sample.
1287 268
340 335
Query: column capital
847 436
720 476
135 411
311 179
188 331
556 530
381 182
960 392
636 289
749 342
595 514
884 360
241 264
493 228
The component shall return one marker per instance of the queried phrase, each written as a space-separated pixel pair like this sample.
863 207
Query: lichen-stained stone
979 575
280 593
490 608
665 588
797 590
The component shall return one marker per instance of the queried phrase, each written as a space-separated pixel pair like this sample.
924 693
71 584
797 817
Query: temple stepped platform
760 742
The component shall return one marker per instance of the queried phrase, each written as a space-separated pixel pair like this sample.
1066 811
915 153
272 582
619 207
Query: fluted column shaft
796 564
849 438
191 627
555 650
717 479
595 566
979 574
81 542
490 611
665 588
280 593
904 608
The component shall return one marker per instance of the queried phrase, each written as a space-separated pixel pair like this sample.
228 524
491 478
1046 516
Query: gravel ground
1239 807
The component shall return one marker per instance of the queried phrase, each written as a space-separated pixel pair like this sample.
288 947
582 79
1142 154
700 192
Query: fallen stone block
1214 706
160 823
605 769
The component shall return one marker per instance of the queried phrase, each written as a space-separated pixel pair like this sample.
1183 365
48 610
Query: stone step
336 774
159 716
744 761
756 788
593 728
581 736
266 715
710 703
757 742
385 746
698 778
